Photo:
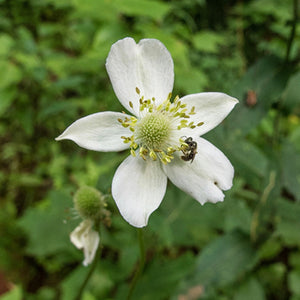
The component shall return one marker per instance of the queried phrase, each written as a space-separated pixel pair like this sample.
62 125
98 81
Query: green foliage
52 57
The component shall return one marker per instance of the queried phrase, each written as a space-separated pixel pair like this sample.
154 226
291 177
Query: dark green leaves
223 261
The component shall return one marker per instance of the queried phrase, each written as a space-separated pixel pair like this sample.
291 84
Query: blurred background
52 56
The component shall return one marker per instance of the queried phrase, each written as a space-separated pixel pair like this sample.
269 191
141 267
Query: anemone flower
163 136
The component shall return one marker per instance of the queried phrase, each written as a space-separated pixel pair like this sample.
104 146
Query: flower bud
89 203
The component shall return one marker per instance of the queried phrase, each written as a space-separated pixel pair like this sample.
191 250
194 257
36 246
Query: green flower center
153 131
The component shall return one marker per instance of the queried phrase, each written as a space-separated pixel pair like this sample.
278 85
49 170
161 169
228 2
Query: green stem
141 264
293 30
89 274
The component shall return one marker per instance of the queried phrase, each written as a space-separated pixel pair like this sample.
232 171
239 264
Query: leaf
248 161
145 8
291 169
162 277
238 215
6 43
288 224
251 289
223 261
292 92
273 278
208 41
9 74
46 225
180 220
294 282
14 294
267 80
7 96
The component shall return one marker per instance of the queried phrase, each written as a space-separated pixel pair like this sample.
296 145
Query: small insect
189 151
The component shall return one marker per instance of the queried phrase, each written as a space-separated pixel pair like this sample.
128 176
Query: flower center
153 130
154 134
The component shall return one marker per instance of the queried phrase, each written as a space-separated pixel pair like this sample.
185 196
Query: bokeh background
52 57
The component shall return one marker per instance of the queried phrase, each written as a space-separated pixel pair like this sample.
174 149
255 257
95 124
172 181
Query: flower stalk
90 272
141 265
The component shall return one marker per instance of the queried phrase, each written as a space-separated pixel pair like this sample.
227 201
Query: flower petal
84 237
205 177
210 108
138 188
147 66
100 132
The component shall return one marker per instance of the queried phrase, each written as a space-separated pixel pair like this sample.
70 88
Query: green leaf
9 74
7 96
250 290
291 169
292 92
223 261
98 10
248 160
267 80
6 43
238 215
288 221
145 8
164 276
273 278
14 294
46 225
208 41
71 285
294 282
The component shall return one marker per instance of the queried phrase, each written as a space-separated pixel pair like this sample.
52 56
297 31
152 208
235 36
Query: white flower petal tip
147 66
84 237
211 109
99 132
204 178
138 188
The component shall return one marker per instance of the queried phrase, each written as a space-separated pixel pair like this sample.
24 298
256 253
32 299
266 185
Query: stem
293 30
89 274
142 262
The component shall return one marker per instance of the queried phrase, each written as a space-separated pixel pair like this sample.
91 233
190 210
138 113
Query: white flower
163 136
86 238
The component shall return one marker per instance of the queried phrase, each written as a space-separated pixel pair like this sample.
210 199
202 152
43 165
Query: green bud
89 203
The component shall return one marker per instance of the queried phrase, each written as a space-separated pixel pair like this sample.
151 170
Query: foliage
52 57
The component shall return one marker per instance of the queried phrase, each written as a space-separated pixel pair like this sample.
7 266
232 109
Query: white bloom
163 136
86 238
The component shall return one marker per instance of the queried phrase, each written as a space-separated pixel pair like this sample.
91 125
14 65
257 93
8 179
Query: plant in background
163 136
90 204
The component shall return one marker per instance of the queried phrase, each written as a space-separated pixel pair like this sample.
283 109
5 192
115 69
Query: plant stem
293 30
89 274
141 264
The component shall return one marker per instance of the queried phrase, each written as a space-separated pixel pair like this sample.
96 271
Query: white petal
138 188
210 108
100 132
205 177
84 237
147 65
